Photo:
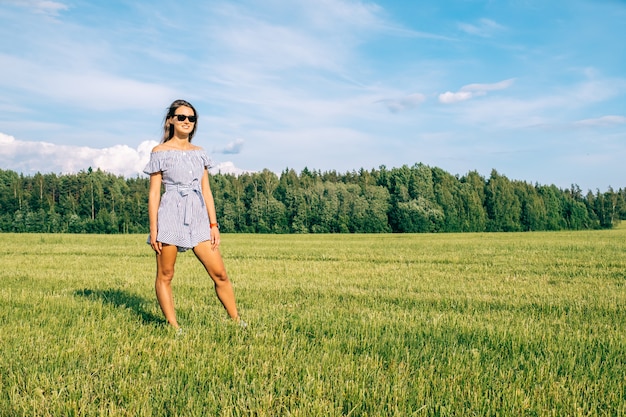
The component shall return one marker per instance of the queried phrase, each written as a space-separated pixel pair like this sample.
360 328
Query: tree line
416 199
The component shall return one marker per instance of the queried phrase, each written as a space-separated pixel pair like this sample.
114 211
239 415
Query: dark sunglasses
182 117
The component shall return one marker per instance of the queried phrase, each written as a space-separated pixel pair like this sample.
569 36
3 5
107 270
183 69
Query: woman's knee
219 276
165 274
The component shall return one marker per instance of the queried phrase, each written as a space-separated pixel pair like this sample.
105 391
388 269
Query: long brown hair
168 127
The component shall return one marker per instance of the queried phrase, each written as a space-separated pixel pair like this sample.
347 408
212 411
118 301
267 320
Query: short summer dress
183 219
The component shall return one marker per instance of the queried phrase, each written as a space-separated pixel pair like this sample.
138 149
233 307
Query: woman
184 216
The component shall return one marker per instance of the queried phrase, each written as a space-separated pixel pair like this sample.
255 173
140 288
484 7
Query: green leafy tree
419 216
533 211
376 220
448 196
472 194
503 205
553 203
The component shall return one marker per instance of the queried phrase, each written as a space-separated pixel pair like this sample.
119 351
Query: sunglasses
182 117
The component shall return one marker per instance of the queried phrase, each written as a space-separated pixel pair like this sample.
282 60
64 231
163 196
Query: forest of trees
413 199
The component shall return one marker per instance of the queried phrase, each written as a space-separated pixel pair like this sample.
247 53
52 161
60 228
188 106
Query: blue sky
532 88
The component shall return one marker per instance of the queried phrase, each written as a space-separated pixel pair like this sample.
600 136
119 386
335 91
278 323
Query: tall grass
526 324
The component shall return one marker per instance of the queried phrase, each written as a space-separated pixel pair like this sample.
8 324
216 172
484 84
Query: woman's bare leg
163 284
212 261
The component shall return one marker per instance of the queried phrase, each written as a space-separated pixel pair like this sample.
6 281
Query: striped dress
183 219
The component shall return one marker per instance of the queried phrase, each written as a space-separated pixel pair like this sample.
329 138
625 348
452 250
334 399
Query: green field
516 324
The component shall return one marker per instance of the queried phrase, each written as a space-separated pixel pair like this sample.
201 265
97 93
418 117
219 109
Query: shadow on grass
122 299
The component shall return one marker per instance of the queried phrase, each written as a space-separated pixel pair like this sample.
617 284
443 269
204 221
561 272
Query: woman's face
182 128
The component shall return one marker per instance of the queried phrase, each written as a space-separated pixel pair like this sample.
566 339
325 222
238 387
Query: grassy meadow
509 324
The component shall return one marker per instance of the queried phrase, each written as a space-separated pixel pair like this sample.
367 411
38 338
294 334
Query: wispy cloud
51 8
84 89
541 110
473 90
484 28
317 34
604 121
403 103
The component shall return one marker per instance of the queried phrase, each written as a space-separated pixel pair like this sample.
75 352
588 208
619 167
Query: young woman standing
184 216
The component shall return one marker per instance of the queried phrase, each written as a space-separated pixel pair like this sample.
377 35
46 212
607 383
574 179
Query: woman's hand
156 245
215 237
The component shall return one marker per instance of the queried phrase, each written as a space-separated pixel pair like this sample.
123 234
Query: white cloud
90 89
542 111
449 97
122 159
317 36
473 90
501 85
233 147
303 36
484 28
265 46
31 157
51 8
6 143
227 168
404 103
604 121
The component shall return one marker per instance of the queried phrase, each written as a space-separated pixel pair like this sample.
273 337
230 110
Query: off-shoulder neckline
178 150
